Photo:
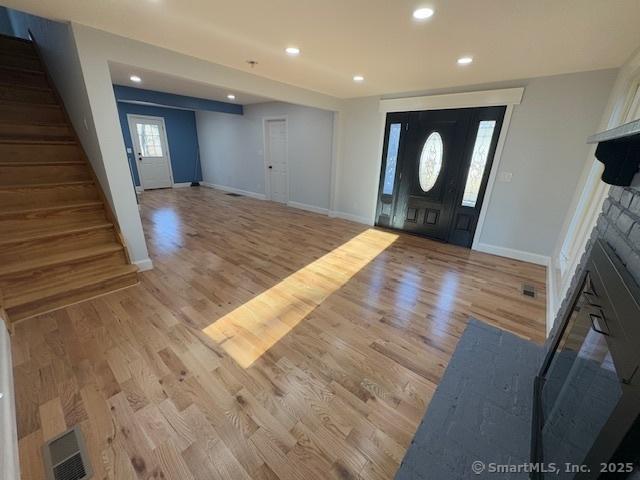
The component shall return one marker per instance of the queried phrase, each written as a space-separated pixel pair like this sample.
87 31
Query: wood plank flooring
267 343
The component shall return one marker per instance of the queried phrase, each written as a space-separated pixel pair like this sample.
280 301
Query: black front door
435 168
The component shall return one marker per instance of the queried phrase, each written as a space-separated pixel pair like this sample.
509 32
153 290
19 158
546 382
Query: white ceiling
508 39
181 86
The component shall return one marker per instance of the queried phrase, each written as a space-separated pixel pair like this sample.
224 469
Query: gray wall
546 151
231 150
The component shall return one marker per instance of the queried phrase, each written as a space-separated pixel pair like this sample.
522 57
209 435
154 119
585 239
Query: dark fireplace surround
615 242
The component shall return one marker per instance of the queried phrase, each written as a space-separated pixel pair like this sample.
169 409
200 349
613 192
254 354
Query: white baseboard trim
144 265
351 217
9 463
513 253
551 296
307 207
224 188
181 185
139 189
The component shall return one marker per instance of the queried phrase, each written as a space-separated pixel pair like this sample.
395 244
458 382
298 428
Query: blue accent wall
5 23
181 135
124 93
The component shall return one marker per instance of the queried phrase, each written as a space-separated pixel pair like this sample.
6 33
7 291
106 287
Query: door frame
506 97
165 139
267 176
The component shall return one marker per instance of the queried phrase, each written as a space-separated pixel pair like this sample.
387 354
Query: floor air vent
65 457
529 290
234 194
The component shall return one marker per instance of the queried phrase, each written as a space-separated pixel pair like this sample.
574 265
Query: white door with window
151 151
275 131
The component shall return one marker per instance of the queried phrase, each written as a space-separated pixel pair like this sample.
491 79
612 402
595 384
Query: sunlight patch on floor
254 327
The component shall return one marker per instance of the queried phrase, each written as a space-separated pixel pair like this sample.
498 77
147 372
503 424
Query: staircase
59 242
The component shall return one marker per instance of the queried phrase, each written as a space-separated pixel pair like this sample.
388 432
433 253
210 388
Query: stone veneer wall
619 226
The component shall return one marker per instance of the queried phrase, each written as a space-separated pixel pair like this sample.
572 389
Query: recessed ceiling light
135 78
465 60
422 13
231 96
293 51
358 78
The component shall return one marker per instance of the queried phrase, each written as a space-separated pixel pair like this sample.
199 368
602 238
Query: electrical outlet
505 176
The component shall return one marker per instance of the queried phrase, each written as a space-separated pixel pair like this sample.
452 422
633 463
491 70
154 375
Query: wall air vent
65 457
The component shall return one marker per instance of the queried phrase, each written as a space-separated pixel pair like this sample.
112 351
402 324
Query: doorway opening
151 151
435 169
276 161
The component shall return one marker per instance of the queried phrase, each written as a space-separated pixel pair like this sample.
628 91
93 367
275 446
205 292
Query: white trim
166 142
336 150
483 98
9 463
139 189
181 185
224 188
551 296
351 217
307 207
493 173
267 176
144 265
513 253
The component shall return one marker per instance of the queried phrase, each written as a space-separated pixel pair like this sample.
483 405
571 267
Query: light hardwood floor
267 343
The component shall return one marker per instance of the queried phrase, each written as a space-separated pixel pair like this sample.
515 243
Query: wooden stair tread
62 230
35 163
19 103
22 69
33 123
66 206
51 289
46 185
38 141
60 258
39 88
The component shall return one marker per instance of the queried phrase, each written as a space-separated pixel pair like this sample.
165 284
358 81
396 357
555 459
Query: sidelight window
478 162
430 161
392 158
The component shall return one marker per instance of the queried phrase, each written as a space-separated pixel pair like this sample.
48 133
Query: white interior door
276 160
151 151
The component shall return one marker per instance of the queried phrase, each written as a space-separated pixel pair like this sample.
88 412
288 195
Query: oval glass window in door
430 161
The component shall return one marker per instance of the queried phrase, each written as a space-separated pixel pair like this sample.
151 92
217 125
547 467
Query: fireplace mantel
619 150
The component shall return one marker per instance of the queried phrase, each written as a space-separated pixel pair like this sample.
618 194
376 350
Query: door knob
270 167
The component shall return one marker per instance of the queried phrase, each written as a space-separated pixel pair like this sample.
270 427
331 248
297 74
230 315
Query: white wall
79 80
232 150
545 150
